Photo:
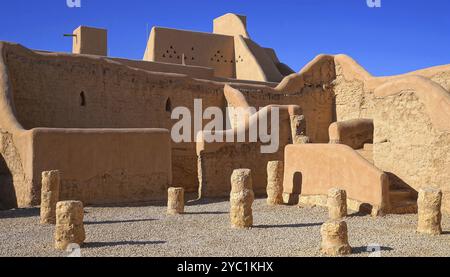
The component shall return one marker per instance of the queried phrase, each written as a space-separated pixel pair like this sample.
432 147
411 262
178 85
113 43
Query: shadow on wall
298 180
398 183
8 198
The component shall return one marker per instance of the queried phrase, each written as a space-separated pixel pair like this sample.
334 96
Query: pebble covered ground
204 230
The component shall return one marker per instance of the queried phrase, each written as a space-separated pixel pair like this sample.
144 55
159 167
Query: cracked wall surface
411 137
15 188
409 146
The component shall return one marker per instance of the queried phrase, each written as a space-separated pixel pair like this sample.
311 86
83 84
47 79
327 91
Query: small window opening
168 105
82 99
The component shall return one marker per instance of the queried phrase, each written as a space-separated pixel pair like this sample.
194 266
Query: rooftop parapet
90 41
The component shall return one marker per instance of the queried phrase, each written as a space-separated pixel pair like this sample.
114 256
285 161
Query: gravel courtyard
204 231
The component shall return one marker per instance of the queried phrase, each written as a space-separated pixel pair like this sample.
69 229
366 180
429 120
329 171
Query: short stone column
335 238
429 211
337 203
275 174
69 224
175 203
241 199
298 129
51 182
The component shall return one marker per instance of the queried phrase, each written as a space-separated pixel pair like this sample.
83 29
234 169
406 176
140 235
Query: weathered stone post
429 211
49 196
241 199
69 224
175 203
337 203
335 238
275 174
298 129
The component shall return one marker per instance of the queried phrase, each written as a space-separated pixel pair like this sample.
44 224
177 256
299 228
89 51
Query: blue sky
401 36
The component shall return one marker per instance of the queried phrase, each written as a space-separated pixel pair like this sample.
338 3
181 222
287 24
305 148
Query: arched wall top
232 25
8 118
435 98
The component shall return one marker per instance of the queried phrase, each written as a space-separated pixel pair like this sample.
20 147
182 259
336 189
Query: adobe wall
49 88
218 160
410 112
352 99
107 166
228 51
65 91
201 49
91 41
231 25
354 86
253 62
315 102
354 132
48 92
324 166
16 188
192 71
412 134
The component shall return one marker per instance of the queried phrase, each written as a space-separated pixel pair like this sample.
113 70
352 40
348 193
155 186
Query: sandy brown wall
315 102
324 166
409 144
107 166
352 100
253 63
16 188
48 93
410 112
202 49
218 160
192 71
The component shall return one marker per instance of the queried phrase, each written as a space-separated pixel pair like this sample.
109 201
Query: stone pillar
51 181
337 203
429 211
175 203
298 130
69 224
275 174
335 238
241 199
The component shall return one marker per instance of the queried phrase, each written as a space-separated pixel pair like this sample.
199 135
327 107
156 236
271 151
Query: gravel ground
205 231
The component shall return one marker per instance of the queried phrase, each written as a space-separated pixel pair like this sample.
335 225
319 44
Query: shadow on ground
18 213
300 225
359 214
205 201
120 243
117 221
205 213
370 250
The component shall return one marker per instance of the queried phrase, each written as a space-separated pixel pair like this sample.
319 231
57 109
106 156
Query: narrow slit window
168 105
82 99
